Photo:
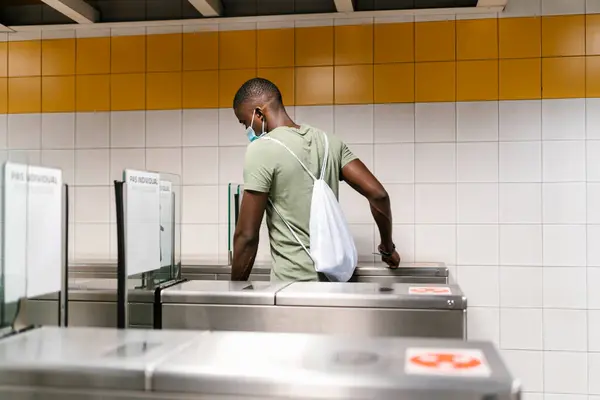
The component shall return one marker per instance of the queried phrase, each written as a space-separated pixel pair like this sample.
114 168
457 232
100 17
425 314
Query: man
270 172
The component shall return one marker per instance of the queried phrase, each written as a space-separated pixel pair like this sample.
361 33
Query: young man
270 172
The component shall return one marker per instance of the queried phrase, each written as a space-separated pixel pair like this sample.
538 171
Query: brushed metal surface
222 292
325 320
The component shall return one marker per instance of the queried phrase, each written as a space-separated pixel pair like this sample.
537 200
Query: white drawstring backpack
332 247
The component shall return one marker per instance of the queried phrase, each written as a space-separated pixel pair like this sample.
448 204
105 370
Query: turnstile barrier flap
282 365
223 292
372 295
86 358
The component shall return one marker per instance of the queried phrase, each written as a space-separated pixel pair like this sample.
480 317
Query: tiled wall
485 132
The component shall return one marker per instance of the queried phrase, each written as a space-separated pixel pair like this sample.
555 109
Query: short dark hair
255 88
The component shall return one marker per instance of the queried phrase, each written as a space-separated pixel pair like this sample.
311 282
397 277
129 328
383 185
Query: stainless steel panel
323 367
391 279
253 277
405 269
222 292
86 358
367 295
102 290
338 321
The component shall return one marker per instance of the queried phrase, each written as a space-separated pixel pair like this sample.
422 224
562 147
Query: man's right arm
358 176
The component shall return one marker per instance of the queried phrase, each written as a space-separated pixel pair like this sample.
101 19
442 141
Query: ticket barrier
84 363
363 309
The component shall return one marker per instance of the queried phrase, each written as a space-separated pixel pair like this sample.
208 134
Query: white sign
446 362
32 230
429 290
142 221
166 223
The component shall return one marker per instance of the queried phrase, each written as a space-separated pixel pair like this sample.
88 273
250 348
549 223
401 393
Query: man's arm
358 176
246 236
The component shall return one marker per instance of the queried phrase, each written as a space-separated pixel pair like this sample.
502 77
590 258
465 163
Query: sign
142 221
430 290
446 362
166 223
33 212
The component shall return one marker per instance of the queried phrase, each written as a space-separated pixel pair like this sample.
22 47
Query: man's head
256 103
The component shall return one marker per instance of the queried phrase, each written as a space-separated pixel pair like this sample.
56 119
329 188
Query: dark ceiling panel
247 8
380 5
314 6
143 10
30 12
275 7
444 3
240 8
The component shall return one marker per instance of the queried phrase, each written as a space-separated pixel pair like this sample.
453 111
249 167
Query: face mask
250 131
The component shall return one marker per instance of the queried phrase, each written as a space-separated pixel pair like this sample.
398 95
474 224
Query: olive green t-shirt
270 168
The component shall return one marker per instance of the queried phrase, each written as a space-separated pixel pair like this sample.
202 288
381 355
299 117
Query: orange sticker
451 362
431 290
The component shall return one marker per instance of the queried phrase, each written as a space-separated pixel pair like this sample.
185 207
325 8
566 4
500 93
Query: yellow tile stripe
465 60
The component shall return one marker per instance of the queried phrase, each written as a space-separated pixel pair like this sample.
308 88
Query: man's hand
393 261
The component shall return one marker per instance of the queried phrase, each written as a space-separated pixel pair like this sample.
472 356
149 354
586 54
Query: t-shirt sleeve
258 169
347 155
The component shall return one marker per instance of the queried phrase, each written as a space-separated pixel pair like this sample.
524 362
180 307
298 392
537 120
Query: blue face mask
250 131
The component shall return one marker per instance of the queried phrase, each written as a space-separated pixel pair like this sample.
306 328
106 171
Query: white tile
402 199
521 287
557 338
201 205
520 203
435 162
477 162
58 131
164 160
593 283
200 242
58 34
164 30
231 164
128 31
593 115
3 131
404 239
594 330
231 132
364 241
565 372
593 250
564 203
565 287
592 7
593 161
121 159
512 334
477 121
94 32
435 203
394 123
92 241
480 285
128 129
25 156
24 131
435 17
395 163
163 128
92 130
562 7
477 203
528 366
555 396
354 124
477 245
593 203
200 166
62 159
483 324
435 122
522 8
521 245
520 162
594 373
201 127
364 152
91 167
320 117
564 161
435 243
355 207
91 204
565 245
520 120
563 119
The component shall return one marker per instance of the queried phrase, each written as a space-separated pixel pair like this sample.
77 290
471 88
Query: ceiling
35 12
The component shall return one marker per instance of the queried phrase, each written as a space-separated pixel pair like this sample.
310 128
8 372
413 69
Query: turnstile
85 363
368 309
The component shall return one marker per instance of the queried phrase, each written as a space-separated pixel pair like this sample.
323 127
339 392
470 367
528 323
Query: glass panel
234 201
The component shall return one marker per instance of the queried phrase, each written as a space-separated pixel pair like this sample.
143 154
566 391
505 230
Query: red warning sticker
446 362
430 290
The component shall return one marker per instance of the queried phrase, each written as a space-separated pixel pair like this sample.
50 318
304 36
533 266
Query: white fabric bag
332 247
